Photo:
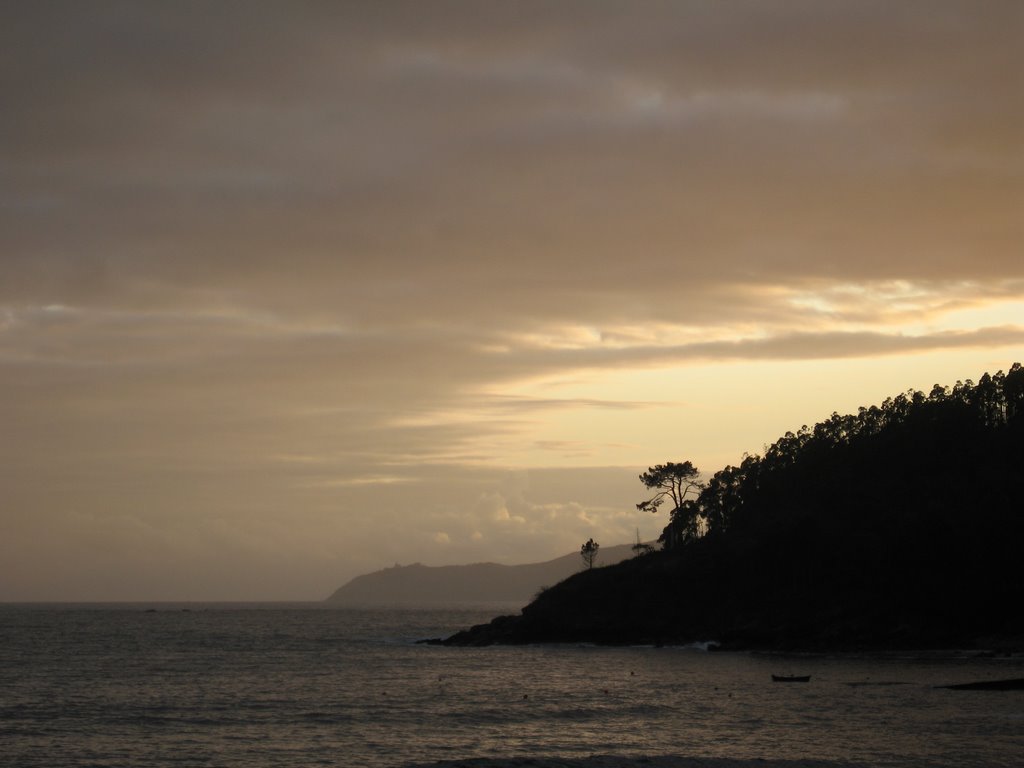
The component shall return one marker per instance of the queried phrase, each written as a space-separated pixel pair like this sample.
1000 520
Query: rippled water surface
215 685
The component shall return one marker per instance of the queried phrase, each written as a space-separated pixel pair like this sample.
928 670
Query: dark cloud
264 267
461 148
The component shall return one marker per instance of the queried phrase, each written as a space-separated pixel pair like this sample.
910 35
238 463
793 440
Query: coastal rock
1014 684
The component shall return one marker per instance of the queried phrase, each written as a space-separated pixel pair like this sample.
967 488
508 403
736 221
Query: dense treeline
932 457
900 525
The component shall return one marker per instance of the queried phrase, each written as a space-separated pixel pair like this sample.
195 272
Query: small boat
791 678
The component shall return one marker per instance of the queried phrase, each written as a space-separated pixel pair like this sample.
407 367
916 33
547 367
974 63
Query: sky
290 292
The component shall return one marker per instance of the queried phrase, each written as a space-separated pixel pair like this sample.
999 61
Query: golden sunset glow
290 297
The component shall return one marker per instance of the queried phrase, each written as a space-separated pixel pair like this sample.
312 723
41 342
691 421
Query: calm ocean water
307 685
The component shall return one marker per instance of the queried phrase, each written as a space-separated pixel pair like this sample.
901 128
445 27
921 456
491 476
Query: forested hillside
898 526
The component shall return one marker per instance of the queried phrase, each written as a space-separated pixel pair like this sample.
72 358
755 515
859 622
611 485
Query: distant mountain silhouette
899 526
424 585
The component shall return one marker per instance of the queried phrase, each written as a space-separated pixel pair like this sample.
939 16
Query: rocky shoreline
637 602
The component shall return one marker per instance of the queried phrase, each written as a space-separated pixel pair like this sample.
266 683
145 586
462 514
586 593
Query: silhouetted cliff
423 585
899 526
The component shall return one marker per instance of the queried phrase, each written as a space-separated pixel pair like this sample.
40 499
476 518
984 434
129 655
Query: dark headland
898 527
421 585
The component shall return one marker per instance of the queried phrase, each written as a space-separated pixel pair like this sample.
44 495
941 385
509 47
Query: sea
283 685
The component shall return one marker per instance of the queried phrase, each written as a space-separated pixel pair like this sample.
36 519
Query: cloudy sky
294 291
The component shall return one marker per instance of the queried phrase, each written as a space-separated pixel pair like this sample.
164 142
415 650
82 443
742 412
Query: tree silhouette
674 481
639 548
897 526
939 523
589 552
